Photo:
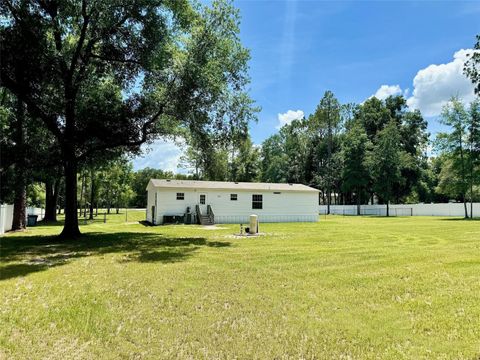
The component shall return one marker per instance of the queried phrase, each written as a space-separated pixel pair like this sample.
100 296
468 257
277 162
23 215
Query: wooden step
205 220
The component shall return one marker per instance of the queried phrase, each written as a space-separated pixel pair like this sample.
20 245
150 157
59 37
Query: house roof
226 185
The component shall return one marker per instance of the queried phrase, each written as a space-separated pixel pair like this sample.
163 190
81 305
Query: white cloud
388 90
288 117
434 85
162 154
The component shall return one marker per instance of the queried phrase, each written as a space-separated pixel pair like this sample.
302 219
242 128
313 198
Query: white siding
150 202
288 206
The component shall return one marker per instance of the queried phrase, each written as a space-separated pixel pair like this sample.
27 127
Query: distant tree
414 140
274 161
455 144
116 180
215 164
473 128
284 156
355 151
374 116
295 148
206 162
245 162
192 159
327 116
449 179
386 162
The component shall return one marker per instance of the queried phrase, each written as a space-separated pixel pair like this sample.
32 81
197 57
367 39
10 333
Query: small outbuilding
209 202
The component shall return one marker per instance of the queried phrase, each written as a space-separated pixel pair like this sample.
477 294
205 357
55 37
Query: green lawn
344 288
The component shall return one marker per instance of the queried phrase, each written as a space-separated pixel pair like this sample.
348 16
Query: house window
180 196
277 192
202 199
257 201
233 197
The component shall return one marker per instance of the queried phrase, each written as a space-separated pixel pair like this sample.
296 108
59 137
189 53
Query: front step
205 220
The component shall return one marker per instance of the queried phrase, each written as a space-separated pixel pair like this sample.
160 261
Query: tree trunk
388 208
20 202
92 194
329 160
70 229
465 206
79 203
471 185
358 202
51 194
464 182
20 199
328 201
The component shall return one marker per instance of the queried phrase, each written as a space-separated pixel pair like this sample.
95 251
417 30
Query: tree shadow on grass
22 255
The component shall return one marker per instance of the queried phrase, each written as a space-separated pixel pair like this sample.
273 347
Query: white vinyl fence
446 209
36 211
6 216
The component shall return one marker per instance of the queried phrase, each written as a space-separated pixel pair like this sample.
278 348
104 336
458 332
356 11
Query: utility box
253 224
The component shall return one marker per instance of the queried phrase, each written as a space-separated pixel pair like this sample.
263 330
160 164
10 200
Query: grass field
343 288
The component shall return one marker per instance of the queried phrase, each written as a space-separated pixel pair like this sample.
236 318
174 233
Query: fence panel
445 209
6 218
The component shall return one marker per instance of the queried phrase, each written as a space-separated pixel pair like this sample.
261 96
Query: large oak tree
109 74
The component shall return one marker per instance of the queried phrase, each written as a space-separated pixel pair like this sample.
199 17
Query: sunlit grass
345 287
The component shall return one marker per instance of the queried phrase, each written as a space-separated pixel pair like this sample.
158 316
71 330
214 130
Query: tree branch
81 40
124 61
13 11
110 145
89 48
49 120
52 10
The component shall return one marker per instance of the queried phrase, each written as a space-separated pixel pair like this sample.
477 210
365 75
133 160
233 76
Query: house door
202 201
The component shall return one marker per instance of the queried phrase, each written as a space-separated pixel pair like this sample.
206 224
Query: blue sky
357 49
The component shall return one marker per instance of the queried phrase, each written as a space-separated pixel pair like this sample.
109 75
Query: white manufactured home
208 202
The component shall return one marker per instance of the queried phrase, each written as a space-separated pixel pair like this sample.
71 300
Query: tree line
377 151
355 154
